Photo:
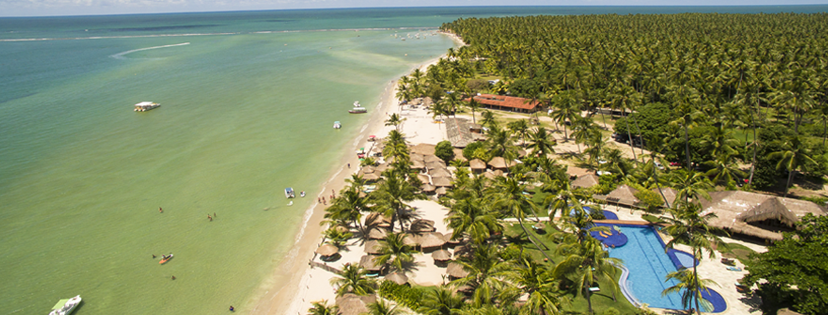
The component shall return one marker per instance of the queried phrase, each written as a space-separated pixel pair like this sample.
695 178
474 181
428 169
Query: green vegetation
794 272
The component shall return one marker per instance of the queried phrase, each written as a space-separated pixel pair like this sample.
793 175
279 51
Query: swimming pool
648 266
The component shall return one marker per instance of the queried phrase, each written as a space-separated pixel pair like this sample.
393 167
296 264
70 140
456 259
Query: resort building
507 103
755 214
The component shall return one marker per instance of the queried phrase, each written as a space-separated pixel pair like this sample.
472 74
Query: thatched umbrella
477 165
377 234
441 191
540 226
449 240
352 304
377 219
428 187
372 247
371 177
381 168
416 164
369 263
441 255
411 240
441 181
439 172
421 225
456 270
431 240
342 229
327 250
397 278
368 169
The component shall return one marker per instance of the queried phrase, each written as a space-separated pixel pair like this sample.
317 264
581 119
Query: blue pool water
649 265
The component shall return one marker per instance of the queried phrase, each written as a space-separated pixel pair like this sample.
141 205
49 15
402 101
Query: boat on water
145 106
358 109
337 125
65 306
289 193
165 259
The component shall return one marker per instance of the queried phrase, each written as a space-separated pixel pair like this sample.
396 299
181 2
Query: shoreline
287 286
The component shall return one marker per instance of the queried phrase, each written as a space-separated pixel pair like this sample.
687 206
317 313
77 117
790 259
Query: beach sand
294 285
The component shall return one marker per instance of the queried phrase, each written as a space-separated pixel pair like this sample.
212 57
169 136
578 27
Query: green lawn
601 301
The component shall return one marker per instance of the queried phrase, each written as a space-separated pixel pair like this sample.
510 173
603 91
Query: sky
96 7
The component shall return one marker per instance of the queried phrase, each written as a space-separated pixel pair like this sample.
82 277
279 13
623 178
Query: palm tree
689 226
352 280
322 308
567 108
394 250
392 194
510 198
792 157
394 120
520 128
540 142
724 169
587 263
381 308
347 206
473 105
441 301
690 289
488 119
539 283
487 274
471 217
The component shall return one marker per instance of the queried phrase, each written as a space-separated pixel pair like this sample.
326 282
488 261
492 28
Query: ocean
248 100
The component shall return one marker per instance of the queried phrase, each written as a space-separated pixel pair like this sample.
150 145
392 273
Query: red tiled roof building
507 103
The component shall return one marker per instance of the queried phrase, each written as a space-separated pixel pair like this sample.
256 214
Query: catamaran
65 306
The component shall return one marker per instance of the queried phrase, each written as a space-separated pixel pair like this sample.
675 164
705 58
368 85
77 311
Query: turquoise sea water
248 99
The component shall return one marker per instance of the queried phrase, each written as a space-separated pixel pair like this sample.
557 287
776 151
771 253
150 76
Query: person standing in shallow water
160 210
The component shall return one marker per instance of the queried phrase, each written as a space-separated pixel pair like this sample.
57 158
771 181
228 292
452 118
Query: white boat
65 306
289 193
145 106
358 109
337 125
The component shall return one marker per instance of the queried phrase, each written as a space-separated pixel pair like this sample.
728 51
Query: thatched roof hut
449 240
431 240
411 240
372 247
435 165
342 229
424 178
377 219
433 158
372 177
585 181
441 181
439 172
369 263
624 195
577 171
352 304
477 165
458 154
397 278
498 163
441 255
748 213
377 234
381 168
669 193
428 187
493 175
423 148
327 250
417 164
456 270
441 191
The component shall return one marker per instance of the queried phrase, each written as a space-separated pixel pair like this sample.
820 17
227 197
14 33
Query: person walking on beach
349 165
214 215
209 217
173 277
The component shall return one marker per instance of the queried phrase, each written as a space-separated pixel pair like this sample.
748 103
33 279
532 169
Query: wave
121 55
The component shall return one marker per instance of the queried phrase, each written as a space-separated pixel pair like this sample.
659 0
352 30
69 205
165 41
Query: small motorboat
302 194
358 109
165 259
337 125
289 193
65 306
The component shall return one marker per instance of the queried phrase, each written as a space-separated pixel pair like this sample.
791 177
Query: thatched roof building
377 234
431 240
352 304
585 181
477 165
756 214
669 193
623 195
369 263
441 181
456 270
397 278
439 172
423 148
499 163
327 250
421 226
372 247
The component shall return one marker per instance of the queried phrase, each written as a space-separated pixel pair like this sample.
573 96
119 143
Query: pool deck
708 268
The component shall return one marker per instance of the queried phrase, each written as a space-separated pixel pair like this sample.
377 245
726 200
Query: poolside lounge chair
728 261
734 268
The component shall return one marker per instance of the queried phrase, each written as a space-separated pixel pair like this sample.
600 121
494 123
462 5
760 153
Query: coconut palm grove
695 103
